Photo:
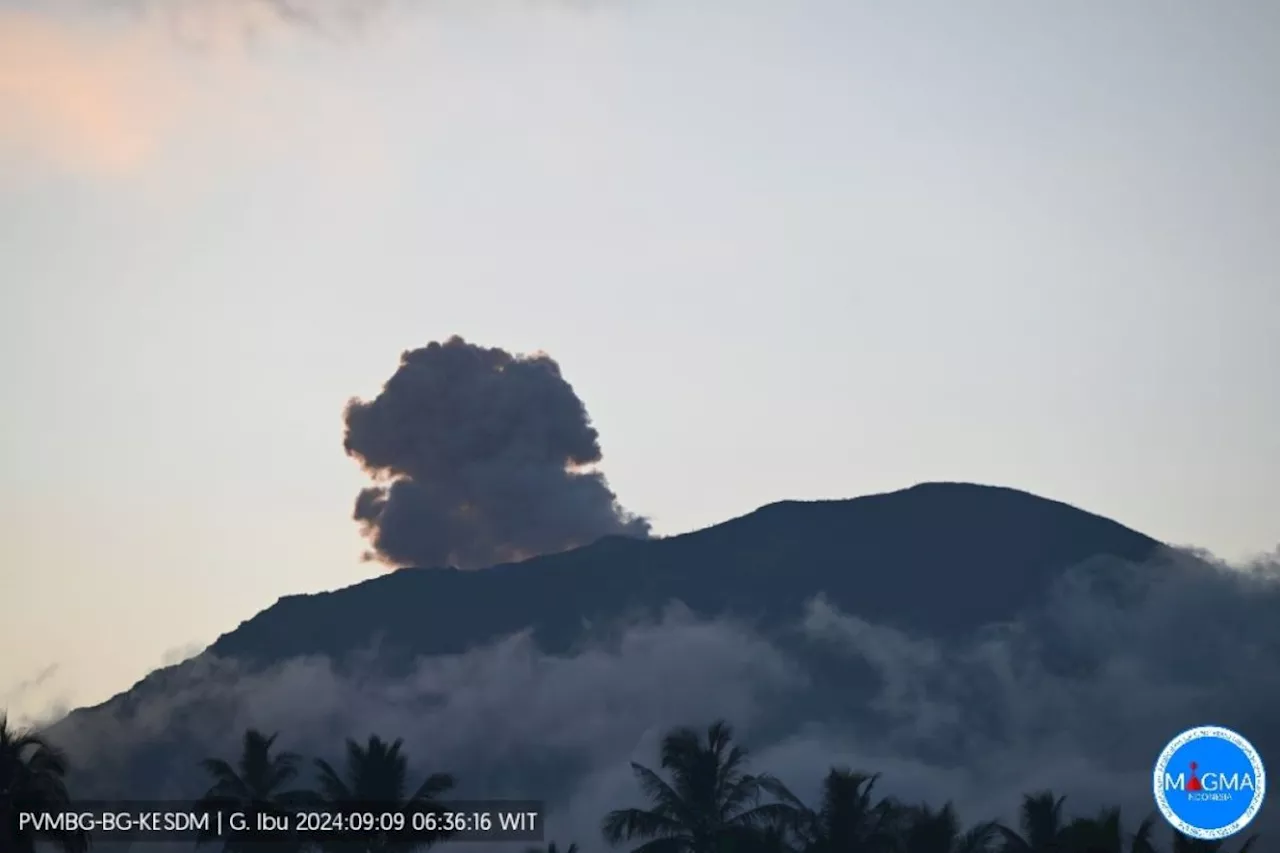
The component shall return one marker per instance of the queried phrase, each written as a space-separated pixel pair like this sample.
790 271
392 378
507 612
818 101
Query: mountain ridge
940 562
1136 546
1004 538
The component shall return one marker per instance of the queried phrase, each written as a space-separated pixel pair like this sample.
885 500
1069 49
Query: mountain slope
939 560
939 557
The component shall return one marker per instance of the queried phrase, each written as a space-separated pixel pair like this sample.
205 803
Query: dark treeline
703 799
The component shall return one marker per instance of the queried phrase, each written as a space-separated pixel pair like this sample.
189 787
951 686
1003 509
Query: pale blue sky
781 249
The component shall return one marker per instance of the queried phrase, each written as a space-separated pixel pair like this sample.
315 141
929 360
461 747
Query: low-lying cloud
29 691
1079 696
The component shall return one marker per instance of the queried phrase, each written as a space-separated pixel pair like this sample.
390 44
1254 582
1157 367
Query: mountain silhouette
939 560
982 553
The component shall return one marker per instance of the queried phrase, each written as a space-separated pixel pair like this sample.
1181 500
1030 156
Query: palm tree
257 783
378 772
711 804
930 831
552 848
847 818
1105 833
1042 824
32 777
773 837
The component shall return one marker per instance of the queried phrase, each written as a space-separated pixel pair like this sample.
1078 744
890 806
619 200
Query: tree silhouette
847 817
926 830
552 848
1105 833
32 777
708 803
377 775
258 783
711 804
1041 821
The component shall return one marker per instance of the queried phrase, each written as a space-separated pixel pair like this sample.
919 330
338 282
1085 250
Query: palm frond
433 786
665 845
331 785
978 839
627 824
666 799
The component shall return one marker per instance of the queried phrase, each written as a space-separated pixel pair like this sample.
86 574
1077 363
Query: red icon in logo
1193 784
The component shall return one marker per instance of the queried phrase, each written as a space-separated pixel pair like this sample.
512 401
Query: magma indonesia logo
1209 782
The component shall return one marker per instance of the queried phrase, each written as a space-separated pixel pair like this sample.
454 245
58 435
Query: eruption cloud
481 457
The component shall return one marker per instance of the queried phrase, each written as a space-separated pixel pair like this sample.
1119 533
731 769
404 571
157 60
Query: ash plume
480 457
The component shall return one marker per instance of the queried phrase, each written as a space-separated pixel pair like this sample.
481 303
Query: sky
780 250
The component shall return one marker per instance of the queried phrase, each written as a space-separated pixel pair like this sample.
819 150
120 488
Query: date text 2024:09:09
506 821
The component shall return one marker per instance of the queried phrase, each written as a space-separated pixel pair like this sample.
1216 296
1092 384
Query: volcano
940 560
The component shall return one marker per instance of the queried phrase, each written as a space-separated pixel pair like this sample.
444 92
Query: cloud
484 457
31 683
580 710
92 91
220 23
1078 695
106 89
34 692
89 101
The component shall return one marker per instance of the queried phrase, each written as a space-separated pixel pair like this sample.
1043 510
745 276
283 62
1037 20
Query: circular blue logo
1209 782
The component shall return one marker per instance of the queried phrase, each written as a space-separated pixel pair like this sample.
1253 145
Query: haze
779 249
